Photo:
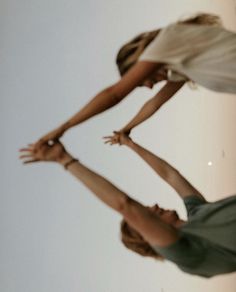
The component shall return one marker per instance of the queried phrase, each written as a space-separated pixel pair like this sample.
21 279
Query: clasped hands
54 151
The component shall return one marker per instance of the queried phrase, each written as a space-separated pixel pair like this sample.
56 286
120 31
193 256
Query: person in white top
197 49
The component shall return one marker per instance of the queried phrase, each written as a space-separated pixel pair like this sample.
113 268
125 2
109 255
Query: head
135 242
129 53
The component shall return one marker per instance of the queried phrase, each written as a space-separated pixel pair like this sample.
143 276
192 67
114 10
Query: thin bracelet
66 165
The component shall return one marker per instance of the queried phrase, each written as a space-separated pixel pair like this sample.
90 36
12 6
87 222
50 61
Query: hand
51 136
120 138
55 152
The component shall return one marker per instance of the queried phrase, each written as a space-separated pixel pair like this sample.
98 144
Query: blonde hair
202 19
130 52
135 242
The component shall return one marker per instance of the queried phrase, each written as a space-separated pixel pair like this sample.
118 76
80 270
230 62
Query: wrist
64 127
70 162
125 131
65 158
129 143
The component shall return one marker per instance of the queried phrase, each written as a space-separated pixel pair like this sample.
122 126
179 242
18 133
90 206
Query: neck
179 223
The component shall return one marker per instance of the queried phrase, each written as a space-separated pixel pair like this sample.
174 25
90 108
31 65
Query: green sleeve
193 204
187 251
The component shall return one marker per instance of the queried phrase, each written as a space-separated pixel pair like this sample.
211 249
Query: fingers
108 141
112 141
119 137
25 156
30 161
29 149
40 151
115 139
33 149
28 154
26 150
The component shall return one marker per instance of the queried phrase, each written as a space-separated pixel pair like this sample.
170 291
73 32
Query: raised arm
152 105
167 172
105 99
138 216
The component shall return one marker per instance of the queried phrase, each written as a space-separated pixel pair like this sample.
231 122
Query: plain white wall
55 236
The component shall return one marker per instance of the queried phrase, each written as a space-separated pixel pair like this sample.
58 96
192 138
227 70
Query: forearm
148 109
101 187
154 230
154 104
160 166
171 175
101 102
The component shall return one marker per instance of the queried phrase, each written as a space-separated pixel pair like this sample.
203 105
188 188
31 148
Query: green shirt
207 243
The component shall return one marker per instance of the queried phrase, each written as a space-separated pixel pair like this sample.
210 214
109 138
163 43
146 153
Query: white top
204 54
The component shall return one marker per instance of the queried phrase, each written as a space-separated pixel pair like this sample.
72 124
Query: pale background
55 236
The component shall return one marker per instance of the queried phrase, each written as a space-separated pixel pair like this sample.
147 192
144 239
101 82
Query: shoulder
187 251
193 204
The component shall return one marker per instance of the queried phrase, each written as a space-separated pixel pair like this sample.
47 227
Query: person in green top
204 245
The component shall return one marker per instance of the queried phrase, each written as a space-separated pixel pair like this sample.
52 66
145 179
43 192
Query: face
168 216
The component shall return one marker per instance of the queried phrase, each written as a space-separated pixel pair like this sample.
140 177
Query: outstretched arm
138 216
106 99
160 166
152 105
